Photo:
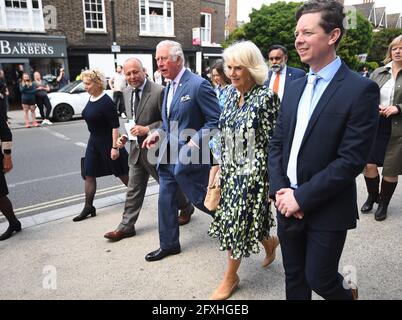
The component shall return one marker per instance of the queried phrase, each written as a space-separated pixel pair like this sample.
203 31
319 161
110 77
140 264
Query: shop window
205 28
156 18
94 15
21 15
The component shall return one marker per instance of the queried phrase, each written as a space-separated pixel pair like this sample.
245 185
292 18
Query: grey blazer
149 113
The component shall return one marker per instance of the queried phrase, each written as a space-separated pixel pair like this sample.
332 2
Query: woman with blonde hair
243 218
102 156
387 149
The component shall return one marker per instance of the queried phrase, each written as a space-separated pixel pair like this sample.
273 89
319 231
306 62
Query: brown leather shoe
355 293
185 215
184 219
117 235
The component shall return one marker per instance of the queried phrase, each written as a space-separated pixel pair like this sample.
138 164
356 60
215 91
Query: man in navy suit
190 111
280 75
322 139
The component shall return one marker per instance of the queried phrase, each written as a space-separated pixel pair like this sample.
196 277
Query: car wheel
63 112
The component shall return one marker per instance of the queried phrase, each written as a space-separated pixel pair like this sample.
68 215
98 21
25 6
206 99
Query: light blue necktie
303 117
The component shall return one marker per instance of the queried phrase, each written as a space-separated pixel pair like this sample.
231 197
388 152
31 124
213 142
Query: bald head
133 60
134 72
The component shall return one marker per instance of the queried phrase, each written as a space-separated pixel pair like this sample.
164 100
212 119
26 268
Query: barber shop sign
18 48
25 48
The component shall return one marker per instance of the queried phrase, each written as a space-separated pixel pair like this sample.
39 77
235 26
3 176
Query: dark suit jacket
149 112
291 74
194 112
333 152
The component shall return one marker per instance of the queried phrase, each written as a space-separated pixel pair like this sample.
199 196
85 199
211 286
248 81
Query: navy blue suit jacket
291 74
194 112
334 148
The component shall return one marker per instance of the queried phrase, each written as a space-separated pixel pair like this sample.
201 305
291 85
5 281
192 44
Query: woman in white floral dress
243 218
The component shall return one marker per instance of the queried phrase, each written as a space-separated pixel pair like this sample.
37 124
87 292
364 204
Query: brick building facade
86 29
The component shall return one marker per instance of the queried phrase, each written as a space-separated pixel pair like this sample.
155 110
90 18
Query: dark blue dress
101 117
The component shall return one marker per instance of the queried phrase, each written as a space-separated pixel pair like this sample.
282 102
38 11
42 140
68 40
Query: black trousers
311 260
43 101
119 101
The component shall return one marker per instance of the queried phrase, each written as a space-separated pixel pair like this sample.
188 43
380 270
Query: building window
94 15
205 28
21 15
156 18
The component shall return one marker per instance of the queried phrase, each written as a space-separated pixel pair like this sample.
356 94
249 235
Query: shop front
21 53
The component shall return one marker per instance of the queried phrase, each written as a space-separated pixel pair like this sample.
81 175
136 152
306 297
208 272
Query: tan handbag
213 196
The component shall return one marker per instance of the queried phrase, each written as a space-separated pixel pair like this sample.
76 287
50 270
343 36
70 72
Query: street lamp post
113 32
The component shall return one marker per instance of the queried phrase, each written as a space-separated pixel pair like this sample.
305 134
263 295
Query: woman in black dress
102 157
6 206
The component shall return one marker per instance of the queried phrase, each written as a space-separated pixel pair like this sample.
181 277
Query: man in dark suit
280 75
143 101
322 139
190 111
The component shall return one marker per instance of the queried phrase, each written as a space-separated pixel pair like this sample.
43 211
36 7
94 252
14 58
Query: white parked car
69 101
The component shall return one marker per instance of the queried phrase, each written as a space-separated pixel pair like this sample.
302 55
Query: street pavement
55 258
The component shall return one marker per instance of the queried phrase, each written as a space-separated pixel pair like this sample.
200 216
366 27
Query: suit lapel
297 91
164 108
127 100
325 98
269 77
178 94
144 98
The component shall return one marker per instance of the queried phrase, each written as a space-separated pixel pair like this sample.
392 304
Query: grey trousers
138 177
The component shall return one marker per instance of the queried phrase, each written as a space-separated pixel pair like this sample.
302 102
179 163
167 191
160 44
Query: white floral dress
243 217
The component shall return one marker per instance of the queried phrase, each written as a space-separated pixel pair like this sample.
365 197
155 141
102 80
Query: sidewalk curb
58 214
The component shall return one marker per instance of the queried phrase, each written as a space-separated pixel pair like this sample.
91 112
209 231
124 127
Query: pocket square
185 98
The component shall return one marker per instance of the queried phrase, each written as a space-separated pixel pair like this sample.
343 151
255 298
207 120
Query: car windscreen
70 86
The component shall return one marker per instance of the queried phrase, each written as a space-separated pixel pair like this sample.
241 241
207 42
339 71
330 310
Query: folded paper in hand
129 125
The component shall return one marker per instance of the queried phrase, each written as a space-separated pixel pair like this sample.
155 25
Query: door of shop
13 70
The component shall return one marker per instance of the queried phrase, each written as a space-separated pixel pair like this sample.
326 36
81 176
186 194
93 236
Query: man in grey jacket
143 100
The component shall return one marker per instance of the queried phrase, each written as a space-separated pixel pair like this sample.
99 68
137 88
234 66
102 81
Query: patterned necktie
276 83
170 97
303 117
135 103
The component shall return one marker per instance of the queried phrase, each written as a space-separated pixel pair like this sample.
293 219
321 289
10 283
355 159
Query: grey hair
175 49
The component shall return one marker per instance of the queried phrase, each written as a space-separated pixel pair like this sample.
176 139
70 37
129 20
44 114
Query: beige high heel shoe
273 242
223 295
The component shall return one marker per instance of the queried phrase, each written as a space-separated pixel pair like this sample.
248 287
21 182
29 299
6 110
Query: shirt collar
141 88
328 72
178 77
388 67
284 69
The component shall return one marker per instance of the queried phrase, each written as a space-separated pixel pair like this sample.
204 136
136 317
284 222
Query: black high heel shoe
13 227
85 213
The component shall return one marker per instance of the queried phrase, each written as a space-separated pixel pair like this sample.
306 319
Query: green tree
276 23
273 24
357 40
381 41
236 35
